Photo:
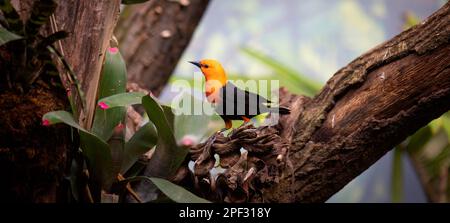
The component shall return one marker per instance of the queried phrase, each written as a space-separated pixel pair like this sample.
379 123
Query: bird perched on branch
231 102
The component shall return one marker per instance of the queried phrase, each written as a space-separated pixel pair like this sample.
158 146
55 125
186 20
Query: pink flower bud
103 105
120 125
188 140
45 122
113 50
119 128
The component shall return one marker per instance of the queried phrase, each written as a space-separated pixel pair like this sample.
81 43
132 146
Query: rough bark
153 36
32 157
90 24
362 112
367 108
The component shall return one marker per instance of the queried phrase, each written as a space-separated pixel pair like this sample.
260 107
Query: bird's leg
228 125
246 121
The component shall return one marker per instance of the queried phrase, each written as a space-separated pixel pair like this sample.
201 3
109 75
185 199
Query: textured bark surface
90 24
152 37
363 111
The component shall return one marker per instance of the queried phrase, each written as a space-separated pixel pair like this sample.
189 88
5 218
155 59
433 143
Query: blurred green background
311 39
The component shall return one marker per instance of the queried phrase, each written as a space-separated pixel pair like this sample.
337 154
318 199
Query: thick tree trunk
90 24
363 111
153 36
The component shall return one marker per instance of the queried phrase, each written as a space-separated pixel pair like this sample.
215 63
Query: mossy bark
32 157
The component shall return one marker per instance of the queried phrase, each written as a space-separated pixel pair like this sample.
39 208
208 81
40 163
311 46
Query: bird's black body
236 104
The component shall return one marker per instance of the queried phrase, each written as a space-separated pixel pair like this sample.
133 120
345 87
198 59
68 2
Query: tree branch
362 112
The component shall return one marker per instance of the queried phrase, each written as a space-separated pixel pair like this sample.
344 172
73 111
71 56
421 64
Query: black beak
195 63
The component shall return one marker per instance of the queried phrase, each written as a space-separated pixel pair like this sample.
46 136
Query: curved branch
363 111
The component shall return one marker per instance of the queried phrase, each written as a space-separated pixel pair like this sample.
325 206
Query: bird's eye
205 66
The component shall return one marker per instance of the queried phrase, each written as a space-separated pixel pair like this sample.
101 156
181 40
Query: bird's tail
280 110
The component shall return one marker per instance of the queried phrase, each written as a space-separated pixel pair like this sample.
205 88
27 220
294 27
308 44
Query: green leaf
117 146
397 177
112 81
141 142
176 193
123 99
167 156
95 150
6 36
128 2
446 125
171 190
418 140
435 163
11 16
136 169
170 117
293 79
52 38
65 117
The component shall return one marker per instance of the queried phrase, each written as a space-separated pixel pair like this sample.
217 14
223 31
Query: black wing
235 102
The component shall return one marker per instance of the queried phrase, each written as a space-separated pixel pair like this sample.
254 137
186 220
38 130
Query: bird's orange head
212 70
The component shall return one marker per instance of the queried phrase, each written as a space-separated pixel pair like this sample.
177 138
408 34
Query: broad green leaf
171 190
418 140
136 169
293 79
112 81
122 99
176 193
128 2
94 149
65 117
141 142
446 125
435 164
435 125
99 161
167 156
117 146
397 177
170 117
12 17
6 36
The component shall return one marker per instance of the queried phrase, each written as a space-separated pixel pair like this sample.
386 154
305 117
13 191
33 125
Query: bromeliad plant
27 53
109 158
